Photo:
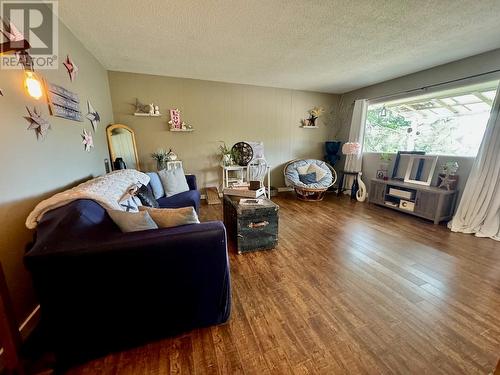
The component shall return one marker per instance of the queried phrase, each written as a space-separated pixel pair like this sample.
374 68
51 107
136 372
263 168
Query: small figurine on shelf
171 156
157 110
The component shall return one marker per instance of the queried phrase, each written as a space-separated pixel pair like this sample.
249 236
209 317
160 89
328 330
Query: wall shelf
309 127
146 115
181 130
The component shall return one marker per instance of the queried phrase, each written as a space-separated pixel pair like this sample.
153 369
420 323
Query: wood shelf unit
430 202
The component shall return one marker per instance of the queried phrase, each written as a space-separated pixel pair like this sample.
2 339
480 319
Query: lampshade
351 148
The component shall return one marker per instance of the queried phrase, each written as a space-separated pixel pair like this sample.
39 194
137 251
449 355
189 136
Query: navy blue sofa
102 290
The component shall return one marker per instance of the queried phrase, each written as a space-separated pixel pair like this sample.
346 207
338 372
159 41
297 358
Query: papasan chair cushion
314 191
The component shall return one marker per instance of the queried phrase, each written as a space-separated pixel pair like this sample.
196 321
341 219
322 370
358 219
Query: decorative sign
63 103
175 119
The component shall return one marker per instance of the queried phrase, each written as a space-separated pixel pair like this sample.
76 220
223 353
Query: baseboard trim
284 189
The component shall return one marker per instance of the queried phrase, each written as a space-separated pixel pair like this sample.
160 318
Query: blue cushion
156 185
185 199
309 178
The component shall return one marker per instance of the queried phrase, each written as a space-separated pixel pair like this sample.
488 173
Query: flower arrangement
314 113
161 157
228 155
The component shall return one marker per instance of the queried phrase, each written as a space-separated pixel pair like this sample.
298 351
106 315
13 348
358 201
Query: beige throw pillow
172 217
320 172
303 169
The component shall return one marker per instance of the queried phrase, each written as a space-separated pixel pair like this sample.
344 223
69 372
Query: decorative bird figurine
93 116
37 123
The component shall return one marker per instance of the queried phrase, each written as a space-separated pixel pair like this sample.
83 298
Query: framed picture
420 169
401 164
382 174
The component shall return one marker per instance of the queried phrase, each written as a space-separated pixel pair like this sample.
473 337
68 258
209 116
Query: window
449 122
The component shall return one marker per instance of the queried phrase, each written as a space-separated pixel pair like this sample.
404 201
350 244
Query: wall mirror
121 143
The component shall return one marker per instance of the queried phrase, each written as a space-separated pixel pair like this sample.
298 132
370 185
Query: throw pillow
302 169
146 196
172 217
132 222
307 179
320 172
129 202
156 185
173 181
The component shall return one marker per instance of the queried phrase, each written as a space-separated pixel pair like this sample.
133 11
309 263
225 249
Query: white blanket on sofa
106 190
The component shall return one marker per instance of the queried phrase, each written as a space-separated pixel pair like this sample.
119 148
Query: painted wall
220 111
33 170
459 69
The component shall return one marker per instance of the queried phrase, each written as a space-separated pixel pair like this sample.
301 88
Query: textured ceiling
320 45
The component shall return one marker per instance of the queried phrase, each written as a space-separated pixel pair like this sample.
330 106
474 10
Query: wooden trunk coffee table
252 227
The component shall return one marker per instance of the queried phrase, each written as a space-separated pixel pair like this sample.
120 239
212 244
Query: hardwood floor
351 288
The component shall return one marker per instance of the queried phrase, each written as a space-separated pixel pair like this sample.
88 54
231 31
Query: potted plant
161 157
385 160
225 154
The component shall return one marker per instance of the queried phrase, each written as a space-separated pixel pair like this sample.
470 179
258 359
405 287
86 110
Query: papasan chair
310 178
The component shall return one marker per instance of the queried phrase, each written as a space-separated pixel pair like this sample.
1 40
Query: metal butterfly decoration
71 68
11 33
38 123
88 141
93 116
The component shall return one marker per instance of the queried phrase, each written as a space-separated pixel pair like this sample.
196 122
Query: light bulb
33 85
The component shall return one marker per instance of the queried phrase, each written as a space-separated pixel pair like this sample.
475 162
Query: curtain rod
434 85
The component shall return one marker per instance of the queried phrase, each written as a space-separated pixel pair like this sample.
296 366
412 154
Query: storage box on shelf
427 202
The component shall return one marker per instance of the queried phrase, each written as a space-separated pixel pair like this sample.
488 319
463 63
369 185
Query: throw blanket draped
106 190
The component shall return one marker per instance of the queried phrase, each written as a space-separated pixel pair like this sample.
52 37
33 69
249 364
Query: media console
427 202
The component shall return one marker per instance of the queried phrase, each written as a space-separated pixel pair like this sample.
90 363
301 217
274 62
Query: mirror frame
109 131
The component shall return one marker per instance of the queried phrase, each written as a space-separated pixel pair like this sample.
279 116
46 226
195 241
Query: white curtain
356 134
479 208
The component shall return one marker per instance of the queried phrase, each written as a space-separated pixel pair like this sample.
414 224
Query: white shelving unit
241 174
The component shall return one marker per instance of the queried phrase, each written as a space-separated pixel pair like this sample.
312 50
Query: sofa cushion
309 178
156 185
146 196
172 217
173 181
132 221
185 199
